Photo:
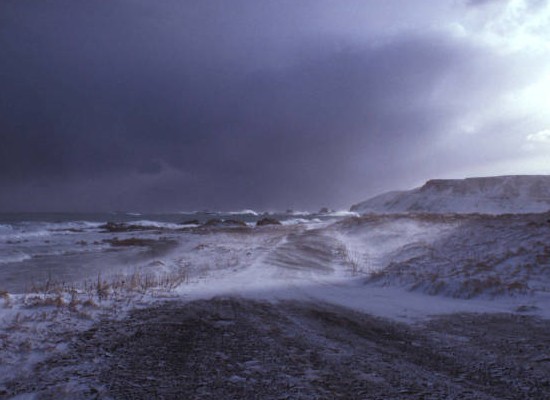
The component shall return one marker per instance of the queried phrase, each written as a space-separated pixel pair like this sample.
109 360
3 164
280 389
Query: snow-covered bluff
488 195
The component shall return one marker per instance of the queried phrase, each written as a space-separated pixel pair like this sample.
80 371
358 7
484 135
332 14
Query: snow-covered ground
406 268
489 195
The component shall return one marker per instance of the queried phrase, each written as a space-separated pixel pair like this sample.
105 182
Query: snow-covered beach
228 286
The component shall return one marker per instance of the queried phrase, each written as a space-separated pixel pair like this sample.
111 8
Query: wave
5 228
29 230
297 221
300 213
23 233
155 224
342 213
243 212
14 258
74 225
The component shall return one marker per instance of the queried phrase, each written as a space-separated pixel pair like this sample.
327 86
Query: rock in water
267 221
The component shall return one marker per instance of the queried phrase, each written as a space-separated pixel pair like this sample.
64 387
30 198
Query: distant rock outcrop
224 222
267 221
190 222
116 227
488 195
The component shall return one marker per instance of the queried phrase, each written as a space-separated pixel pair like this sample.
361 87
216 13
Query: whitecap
156 224
243 212
300 213
13 258
296 221
74 225
342 213
5 230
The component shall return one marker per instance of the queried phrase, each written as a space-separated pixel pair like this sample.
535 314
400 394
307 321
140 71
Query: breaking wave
13 258
243 212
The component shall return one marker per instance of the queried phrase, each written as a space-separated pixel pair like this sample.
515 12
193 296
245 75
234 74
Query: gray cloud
186 105
529 6
476 3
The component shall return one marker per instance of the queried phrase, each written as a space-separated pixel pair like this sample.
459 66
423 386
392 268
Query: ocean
37 248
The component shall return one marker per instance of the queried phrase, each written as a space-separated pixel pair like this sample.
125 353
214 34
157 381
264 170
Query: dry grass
89 294
143 282
352 260
44 300
467 282
495 286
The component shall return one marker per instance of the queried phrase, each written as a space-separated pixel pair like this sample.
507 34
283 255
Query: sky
179 105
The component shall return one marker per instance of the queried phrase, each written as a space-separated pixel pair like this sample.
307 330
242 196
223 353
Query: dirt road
230 348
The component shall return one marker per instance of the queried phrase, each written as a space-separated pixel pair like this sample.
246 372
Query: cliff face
489 195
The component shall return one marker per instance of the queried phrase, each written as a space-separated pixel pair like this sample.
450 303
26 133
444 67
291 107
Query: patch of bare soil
230 348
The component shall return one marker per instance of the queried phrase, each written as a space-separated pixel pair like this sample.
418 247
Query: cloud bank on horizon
178 105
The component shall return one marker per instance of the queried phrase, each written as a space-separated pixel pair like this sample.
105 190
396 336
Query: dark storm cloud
484 2
179 105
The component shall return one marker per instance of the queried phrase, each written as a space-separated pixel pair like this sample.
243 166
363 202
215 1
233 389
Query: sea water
65 247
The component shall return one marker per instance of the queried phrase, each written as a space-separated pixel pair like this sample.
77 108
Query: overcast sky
172 105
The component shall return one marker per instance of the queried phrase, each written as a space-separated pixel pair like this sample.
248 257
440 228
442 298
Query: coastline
321 289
